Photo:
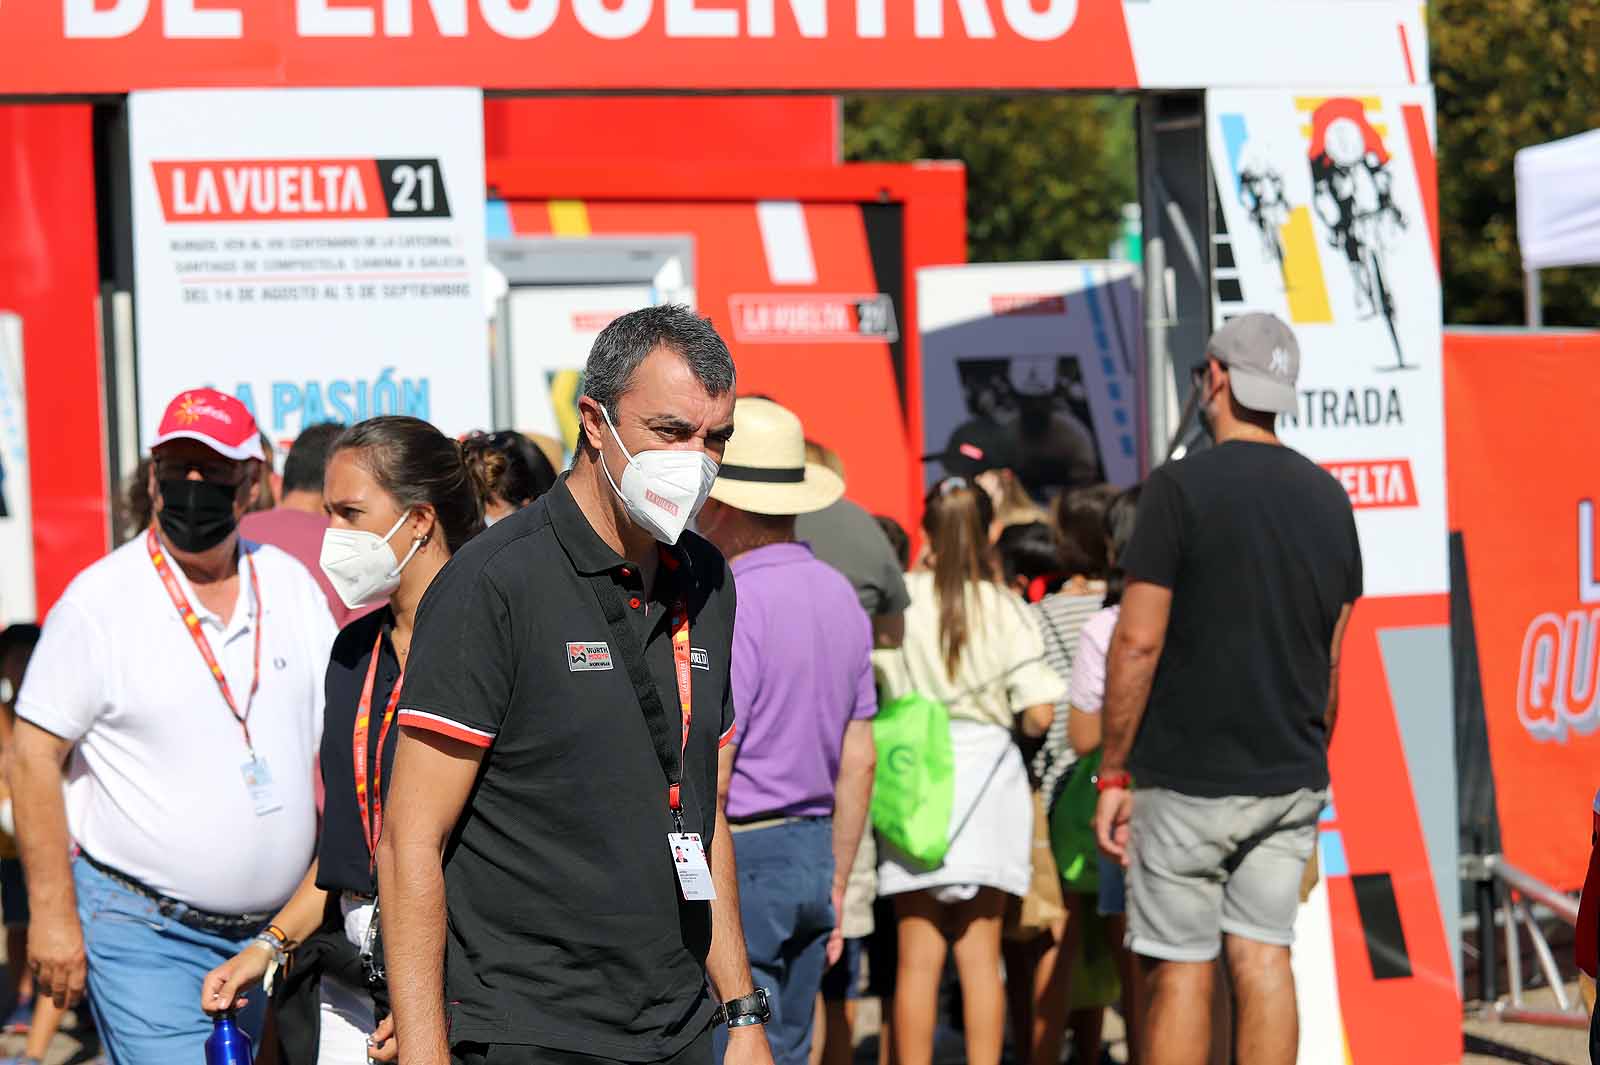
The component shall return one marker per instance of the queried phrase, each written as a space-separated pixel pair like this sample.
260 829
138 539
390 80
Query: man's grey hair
623 345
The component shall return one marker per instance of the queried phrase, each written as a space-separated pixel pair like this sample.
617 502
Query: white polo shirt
155 785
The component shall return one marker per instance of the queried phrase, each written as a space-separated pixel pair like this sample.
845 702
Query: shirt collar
783 554
589 553
244 610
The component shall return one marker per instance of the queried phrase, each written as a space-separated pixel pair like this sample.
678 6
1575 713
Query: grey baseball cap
1263 361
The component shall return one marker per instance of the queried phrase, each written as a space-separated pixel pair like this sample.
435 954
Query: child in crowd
1085 696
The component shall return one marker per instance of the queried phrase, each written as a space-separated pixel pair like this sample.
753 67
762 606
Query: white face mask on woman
360 565
662 489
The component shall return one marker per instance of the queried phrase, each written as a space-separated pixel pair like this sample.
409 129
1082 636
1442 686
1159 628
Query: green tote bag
1072 836
913 792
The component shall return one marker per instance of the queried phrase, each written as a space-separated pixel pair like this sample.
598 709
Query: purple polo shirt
802 671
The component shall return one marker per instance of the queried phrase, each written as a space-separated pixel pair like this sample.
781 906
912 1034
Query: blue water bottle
228 1044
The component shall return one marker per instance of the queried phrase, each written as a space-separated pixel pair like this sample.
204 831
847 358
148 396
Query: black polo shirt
566 927
343 861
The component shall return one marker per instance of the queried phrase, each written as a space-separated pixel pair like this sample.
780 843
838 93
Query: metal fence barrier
1487 873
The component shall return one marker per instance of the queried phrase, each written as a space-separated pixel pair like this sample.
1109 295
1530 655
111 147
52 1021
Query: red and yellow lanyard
370 797
191 621
680 665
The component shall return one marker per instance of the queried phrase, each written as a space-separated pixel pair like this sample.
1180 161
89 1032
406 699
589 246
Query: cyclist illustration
1261 192
1352 192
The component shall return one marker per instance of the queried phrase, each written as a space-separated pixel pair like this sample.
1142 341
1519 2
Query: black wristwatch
754 1008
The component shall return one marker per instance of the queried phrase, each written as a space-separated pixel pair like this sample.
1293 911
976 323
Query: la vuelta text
1035 20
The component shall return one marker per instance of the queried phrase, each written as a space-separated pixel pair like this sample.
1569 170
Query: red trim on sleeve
445 727
727 737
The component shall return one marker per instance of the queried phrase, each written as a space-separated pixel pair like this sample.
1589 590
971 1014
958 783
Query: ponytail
956 516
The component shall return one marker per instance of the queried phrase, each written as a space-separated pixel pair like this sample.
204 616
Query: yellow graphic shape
564 386
569 218
1302 270
1311 103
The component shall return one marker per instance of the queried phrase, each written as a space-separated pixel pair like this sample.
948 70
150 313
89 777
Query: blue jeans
144 975
786 904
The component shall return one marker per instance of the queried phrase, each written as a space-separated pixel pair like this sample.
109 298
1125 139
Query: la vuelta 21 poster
318 253
1326 216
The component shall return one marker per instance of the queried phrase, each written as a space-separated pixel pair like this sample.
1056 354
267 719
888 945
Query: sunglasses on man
218 472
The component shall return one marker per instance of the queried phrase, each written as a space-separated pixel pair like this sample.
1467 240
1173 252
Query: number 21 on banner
414 188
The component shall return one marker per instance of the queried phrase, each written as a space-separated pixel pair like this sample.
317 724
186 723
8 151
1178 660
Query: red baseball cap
215 419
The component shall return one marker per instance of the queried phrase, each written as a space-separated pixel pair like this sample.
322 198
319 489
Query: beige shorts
1202 868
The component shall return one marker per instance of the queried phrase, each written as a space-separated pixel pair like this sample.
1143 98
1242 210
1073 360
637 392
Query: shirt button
626 572
635 602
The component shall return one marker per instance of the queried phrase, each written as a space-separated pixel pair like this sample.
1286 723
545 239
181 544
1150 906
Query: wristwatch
754 1008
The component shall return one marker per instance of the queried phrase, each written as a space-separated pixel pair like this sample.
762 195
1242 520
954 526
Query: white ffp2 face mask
662 489
360 565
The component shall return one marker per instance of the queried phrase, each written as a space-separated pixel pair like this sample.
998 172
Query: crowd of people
425 752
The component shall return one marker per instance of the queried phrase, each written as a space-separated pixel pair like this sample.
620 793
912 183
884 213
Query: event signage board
319 253
1327 204
117 45
1523 498
1045 354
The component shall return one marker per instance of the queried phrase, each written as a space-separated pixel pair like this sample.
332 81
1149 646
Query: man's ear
592 422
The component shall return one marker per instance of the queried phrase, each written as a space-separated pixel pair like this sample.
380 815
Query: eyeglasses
219 471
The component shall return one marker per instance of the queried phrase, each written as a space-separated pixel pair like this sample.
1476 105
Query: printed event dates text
356 269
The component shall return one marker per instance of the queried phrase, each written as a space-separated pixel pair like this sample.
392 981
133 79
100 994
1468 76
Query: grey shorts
1201 868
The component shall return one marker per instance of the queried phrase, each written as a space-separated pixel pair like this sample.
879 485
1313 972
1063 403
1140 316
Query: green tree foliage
1508 75
1046 175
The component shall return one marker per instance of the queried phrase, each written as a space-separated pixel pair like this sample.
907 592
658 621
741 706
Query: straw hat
765 471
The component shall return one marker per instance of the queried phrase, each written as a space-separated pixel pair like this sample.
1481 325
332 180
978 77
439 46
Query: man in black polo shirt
563 721
1241 574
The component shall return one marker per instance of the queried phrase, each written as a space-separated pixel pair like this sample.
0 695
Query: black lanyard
666 732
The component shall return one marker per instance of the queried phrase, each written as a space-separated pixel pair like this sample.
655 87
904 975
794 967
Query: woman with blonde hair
971 644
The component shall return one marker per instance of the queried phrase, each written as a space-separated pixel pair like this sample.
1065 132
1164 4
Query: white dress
1001 672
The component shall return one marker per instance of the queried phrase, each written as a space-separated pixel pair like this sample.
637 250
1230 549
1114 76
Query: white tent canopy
1558 203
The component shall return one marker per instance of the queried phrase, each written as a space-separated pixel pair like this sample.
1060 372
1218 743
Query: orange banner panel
1520 417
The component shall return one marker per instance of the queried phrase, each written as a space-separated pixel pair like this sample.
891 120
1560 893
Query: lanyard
191 622
372 824
680 666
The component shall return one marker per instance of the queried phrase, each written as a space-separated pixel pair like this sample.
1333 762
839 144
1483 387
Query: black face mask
197 515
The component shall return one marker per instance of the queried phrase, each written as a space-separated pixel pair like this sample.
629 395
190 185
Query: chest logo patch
698 658
582 657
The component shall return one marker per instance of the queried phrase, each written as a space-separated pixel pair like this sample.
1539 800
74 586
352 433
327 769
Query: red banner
1523 483
115 45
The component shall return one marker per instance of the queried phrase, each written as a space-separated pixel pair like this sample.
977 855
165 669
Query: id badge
689 862
258 782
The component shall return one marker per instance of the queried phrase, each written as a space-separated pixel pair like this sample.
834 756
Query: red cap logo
215 419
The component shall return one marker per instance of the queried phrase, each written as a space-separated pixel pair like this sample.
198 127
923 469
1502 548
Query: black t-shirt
566 927
1259 548
343 861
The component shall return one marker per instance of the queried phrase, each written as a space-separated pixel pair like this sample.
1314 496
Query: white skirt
347 1014
994 847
